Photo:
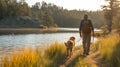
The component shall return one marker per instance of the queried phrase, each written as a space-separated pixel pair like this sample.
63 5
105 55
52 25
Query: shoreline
6 31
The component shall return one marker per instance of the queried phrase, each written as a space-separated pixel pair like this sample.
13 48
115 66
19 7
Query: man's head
85 16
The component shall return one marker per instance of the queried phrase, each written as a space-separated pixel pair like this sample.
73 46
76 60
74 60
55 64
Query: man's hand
93 33
80 34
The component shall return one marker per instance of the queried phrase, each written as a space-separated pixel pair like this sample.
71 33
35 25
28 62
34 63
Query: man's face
85 17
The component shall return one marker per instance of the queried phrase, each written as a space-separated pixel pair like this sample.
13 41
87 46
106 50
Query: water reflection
36 39
9 43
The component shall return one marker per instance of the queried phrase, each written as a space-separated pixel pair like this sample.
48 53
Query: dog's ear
65 44
72 38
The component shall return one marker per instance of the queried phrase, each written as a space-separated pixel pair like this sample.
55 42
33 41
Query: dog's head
72 38
69 43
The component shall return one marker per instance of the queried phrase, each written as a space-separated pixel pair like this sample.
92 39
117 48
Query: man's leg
88 44
84 43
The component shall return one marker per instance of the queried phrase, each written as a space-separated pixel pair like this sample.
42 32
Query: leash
78 40
81 38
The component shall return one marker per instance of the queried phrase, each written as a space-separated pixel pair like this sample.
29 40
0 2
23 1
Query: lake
13 41
36 39
42 40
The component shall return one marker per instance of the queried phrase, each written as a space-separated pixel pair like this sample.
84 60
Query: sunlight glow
74 4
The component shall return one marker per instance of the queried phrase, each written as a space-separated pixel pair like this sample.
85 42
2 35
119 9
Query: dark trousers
86 42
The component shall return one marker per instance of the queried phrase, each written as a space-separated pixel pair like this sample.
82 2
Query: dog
70 44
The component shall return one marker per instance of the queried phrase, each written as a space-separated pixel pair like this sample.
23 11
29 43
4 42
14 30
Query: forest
50 15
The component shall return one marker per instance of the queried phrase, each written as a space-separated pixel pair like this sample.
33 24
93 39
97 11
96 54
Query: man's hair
85 15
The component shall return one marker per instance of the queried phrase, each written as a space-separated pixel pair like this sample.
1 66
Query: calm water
42 40
9 43
35 39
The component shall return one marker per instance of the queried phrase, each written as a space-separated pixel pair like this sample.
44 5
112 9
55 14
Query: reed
109 48
51 56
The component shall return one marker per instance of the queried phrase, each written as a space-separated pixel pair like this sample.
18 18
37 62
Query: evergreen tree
110 11
3 9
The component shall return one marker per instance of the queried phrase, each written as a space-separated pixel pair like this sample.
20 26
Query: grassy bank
33 31
109 53
110 50
49 57
6 31
53 55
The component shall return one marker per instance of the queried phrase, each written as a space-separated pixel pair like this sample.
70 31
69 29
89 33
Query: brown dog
70 44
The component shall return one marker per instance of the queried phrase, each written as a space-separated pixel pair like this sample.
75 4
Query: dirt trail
92 59
67 61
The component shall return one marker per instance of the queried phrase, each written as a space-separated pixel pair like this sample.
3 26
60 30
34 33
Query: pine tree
109 12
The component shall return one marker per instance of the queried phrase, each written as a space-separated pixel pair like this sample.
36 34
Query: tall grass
53 55
25 58
110 50
56 53
50 57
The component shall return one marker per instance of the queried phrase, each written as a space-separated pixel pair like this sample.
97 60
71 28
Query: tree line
63 17
52 15
10 8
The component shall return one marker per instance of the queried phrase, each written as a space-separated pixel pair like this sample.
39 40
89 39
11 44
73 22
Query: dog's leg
65 44
71 52
67 53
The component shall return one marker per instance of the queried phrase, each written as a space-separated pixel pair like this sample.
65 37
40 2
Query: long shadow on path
76 59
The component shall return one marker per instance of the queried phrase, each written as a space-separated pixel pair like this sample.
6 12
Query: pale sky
74 4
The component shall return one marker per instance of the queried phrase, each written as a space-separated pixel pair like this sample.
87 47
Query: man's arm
92 28
80 28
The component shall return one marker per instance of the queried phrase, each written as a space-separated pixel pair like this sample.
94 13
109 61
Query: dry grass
98 33
56 53
29 57
52 56
109 48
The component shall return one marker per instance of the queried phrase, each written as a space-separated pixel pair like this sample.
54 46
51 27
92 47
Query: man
85 30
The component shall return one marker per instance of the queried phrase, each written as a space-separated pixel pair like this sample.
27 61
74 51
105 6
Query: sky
91 5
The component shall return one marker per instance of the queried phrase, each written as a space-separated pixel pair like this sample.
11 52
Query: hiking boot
87 53
84 53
